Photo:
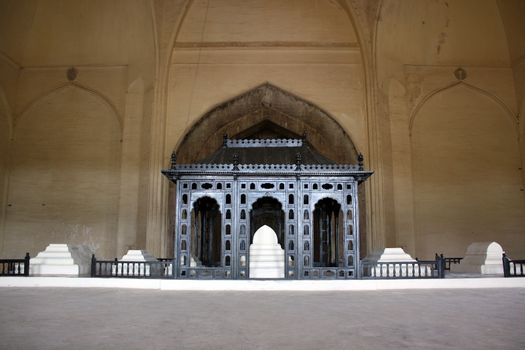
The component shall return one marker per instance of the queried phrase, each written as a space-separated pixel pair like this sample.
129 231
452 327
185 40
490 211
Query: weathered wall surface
467 176
4 158
512 13
60 145
386 77
450 137
77 143
308 48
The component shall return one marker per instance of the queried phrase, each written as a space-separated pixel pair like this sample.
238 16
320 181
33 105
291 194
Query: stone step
266 252
52 261
52 255
267 261
265 266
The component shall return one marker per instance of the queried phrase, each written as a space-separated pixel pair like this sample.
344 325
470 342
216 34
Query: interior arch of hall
266 111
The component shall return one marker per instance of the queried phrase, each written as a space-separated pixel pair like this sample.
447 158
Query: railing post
93 265
440 265
26 264
443 265
506 265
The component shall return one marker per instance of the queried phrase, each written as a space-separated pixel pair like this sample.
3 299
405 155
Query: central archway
267 111
262 113
267 211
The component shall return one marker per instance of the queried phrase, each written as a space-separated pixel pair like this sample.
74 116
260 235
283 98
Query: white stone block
379 261
266 255
61 260
481 258
136 268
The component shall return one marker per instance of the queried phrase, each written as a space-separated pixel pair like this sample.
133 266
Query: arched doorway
328 240
267 111
206 233
267 258
267 215
267 211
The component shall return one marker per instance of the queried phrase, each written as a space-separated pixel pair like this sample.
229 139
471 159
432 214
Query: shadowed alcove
267 111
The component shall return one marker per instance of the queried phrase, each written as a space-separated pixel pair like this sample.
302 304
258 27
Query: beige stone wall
77 147
512 13
444 133
332 80
4 158
225 48
467 178
64 174
85 157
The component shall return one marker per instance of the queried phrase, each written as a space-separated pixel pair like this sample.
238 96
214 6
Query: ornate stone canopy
309 201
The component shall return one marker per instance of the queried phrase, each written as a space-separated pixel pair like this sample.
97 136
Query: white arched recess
467 174
64 174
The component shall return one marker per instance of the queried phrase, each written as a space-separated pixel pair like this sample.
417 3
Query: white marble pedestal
136 268
266 255
481 258
61 260
379 260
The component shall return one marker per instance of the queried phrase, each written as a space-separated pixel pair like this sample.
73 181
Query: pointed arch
267 103
415 112
465 165
73 85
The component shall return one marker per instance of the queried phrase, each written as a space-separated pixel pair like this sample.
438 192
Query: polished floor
97 318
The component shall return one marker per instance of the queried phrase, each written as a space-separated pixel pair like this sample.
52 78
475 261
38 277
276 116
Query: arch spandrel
83 90
415 114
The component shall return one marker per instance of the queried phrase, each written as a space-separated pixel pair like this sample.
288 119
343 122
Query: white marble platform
483 258
379 261
61 260
264 285
136 268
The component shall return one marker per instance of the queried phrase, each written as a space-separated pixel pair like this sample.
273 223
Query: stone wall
81 157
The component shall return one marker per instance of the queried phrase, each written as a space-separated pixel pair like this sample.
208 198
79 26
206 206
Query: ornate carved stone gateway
308 201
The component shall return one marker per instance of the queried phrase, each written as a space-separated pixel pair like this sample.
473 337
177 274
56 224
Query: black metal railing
201 272
161 268
450 261
513 268
328 273
404 269
15 267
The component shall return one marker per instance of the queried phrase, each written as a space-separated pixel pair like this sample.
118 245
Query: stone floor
71 318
